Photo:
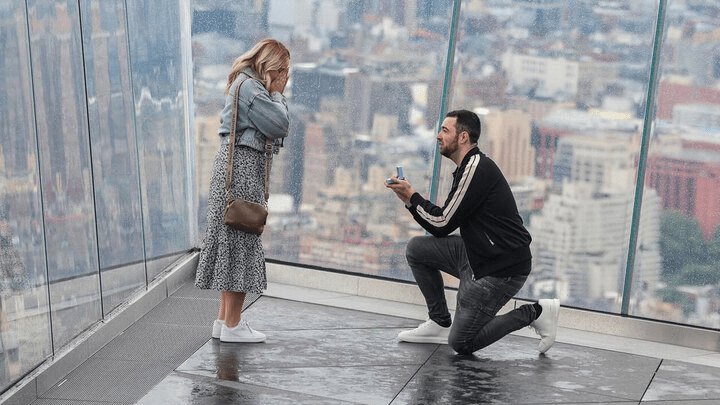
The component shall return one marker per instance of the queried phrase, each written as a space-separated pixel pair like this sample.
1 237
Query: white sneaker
546 324
242 333
217 328
427 332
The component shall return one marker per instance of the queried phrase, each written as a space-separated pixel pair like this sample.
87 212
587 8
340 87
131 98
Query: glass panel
364 91
112 137
558 86
159 69
61 115
683 174
157 265
24 321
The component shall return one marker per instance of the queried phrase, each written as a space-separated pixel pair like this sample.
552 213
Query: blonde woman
233 261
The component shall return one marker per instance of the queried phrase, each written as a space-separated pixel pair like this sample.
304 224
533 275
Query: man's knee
460 346
411 248
415 246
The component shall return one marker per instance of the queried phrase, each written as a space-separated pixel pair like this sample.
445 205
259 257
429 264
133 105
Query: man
491 256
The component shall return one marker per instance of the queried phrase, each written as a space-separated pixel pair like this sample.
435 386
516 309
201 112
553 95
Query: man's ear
464 137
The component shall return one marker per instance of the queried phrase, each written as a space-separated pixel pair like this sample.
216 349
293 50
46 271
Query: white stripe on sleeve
439 221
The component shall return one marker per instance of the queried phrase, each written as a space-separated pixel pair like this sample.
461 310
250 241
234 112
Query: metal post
647 130
445 100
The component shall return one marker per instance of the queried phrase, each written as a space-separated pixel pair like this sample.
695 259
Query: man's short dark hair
466 121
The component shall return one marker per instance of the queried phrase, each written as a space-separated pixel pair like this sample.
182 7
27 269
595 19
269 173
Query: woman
233 261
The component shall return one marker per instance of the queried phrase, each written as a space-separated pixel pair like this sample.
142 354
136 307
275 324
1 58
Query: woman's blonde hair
266 55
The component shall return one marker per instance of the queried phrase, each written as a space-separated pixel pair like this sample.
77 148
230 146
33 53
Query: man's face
448 137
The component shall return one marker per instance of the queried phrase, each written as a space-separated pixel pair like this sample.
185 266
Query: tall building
506 139
595 75
605 163
699 115
314 84
562 122
688 180
311 83
581 238
538 74
315 163
673 92
546 15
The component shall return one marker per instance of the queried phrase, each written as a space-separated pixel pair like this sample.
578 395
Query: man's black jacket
481 204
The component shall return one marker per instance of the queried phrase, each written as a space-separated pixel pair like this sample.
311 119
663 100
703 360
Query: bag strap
268 149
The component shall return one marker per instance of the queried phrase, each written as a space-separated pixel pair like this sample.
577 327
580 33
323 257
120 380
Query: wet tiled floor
318 354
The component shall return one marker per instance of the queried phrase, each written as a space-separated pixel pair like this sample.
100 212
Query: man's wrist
409 202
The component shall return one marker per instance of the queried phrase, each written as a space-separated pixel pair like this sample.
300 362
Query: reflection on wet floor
323 355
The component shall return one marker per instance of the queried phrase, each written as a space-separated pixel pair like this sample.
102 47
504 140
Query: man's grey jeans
478 301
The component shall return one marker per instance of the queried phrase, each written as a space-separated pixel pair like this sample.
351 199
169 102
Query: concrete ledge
608 324
70 356
350 284
654 331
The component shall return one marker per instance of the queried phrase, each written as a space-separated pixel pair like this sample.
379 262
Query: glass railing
603 116
96 170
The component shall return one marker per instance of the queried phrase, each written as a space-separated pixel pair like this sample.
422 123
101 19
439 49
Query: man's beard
449 148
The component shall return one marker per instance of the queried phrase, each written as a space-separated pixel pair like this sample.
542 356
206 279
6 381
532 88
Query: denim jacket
260 115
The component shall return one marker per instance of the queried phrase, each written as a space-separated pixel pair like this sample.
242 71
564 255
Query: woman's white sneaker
427 332
217 328
242 333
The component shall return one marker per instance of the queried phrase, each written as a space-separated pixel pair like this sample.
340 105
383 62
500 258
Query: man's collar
473 151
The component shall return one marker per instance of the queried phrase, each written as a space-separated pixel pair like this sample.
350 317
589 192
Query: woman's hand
279 82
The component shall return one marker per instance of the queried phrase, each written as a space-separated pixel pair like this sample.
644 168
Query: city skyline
593 105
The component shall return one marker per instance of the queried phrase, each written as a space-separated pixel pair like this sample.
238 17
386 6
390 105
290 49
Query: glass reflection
683 168
61 116
24 314
160 91
366 80
112 137
47 184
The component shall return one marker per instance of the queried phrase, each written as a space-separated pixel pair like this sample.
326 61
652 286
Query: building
673 92
688 180
581 237
605 163
505 138
538 74
562 122
705 116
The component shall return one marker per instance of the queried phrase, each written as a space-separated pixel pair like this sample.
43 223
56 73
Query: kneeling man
491 256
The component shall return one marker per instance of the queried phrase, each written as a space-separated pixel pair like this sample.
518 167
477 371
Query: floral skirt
230 259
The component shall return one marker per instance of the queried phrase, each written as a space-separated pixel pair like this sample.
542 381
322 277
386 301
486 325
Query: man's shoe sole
432 340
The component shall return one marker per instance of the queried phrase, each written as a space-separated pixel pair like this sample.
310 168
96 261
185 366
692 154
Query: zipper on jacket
489 240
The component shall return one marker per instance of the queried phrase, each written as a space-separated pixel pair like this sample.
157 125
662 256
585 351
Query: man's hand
401 188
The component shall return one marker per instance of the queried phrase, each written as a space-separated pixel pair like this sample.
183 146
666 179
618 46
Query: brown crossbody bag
240 214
